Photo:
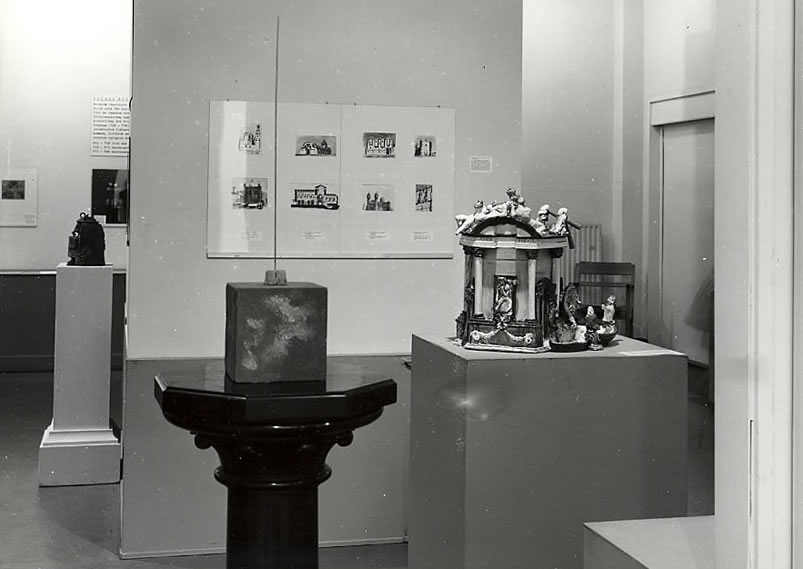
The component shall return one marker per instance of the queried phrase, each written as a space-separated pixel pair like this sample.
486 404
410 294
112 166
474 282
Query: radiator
587 247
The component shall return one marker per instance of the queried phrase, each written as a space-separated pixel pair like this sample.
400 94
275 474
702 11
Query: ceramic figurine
541 220
466 221
503 300
561 227
607 329
608 310
566 334
521 211
592 330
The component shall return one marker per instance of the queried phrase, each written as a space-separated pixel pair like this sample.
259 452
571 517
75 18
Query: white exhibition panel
233 228
404 230
397 204
307 231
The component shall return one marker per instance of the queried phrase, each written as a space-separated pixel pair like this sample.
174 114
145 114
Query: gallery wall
54 57
456 54
590 70
629 209
679 61
568 109
679 40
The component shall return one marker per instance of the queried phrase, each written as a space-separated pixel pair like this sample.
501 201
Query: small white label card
481 164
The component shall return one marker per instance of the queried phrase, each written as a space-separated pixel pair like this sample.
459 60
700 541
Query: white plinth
79 447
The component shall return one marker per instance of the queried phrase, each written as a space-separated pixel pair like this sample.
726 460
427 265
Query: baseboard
219 550
26 363
170 553
43 362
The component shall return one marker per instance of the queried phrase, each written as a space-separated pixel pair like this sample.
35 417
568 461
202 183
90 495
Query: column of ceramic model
477 253
556 270
468 276
531 260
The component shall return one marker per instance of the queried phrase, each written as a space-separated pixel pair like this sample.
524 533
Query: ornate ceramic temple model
511 266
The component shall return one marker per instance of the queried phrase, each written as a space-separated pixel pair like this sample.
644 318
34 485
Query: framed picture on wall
18 200
250 140
425 147
316 145
423 197
379 144
110 196
378 197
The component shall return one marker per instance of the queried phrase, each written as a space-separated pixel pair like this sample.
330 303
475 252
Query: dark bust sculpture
87 243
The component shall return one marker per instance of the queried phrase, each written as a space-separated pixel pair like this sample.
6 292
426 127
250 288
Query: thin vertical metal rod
275 145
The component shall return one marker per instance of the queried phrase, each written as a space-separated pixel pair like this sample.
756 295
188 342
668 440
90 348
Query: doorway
687 241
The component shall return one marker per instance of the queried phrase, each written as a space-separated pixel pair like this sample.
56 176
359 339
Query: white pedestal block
511 453
79 447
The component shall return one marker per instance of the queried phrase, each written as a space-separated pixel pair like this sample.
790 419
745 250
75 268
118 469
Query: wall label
481 164
111 121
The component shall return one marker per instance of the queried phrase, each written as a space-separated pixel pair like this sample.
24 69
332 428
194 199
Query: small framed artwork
249 193
13 190
250 141
378 197
423 197
315 196
379 144
18 198
316 145
110 196
424 147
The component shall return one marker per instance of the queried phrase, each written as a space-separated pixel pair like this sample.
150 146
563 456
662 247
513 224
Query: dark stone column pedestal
272 446
272 478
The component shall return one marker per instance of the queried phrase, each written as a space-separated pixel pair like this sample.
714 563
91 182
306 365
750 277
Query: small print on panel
316 196
250 141
110 196
379 144
13 190
249 193
378 197
423 197
424 147
316 145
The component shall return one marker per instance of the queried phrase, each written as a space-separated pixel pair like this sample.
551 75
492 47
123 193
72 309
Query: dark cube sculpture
275 332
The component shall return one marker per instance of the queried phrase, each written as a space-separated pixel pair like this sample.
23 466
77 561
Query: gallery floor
78 527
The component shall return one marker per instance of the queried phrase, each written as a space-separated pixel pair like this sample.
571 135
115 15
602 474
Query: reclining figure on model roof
514 207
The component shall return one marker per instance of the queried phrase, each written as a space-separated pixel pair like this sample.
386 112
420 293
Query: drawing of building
423 197
316 197
424 147
310 148
380 144
376 203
